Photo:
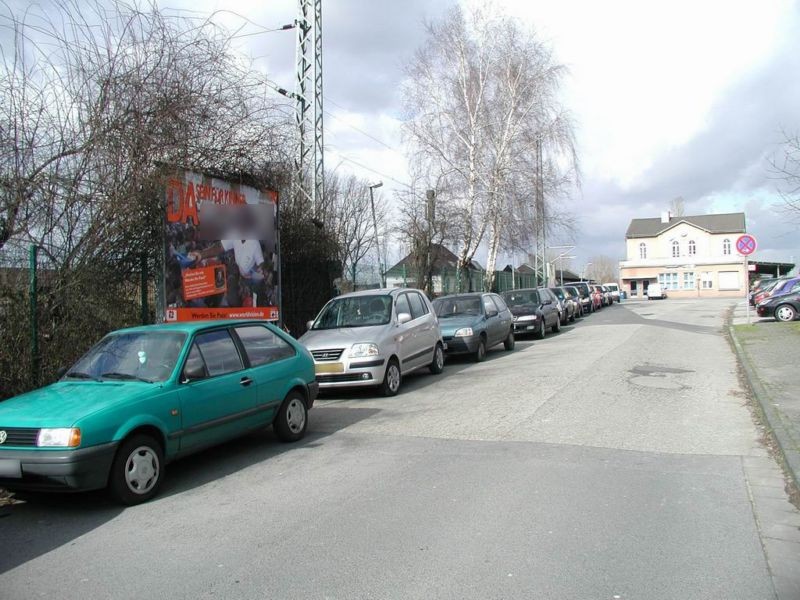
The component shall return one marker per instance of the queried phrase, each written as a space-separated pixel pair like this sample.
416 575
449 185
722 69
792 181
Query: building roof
722 223
441 258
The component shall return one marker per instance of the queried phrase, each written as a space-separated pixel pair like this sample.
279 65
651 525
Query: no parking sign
746 244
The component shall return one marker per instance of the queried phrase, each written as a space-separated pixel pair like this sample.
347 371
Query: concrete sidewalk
769 351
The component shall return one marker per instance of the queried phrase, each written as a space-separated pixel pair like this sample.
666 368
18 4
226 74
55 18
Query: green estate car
147 395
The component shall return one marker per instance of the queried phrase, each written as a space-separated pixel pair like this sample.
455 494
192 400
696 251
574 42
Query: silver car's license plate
10 468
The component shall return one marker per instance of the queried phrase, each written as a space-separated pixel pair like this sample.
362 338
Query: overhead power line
363 166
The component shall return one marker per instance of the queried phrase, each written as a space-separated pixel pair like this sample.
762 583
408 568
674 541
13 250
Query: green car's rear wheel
292 419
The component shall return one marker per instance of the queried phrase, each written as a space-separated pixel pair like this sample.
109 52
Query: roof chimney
666 216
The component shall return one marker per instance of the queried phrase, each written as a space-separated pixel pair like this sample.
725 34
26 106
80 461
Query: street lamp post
375 224
585 267
567 250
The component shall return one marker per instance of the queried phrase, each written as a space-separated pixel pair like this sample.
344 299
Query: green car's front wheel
137 470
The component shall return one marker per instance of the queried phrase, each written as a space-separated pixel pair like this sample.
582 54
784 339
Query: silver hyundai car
373 338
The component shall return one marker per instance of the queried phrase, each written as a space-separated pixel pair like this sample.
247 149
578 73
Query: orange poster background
267 313
203 281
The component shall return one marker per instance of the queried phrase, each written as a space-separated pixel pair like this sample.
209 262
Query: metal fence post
144 295
34 324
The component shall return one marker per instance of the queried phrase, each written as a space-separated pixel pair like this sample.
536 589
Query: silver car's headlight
463 332
63 437
362 350
526 318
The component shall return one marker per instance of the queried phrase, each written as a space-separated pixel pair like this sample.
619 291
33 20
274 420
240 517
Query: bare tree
677 206
446 126
603 269
484 115
349 217
425 224
97 100
785 166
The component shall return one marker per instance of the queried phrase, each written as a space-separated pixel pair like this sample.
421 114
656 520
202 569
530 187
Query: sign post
745 246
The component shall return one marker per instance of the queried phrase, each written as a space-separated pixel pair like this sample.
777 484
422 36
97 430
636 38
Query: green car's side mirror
192 372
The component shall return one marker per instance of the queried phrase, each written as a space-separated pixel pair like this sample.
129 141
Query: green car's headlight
463 332
362 350
62 437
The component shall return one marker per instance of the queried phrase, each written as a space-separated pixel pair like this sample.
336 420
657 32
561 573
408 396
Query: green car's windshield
355 311
136 356
452 307
522 298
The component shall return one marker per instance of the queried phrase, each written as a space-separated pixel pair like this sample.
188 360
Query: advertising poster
221 255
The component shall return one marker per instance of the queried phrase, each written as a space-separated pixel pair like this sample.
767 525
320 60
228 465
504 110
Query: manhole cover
658 377
656 370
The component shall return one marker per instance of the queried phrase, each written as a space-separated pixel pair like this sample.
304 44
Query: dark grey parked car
576 297
534 310
585 294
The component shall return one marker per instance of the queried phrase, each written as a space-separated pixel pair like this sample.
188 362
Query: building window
692 248
688 280
676 249
706 282
642 250
668 281
726 246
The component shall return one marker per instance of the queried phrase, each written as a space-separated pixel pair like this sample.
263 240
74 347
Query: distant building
444 263
556 273
689 256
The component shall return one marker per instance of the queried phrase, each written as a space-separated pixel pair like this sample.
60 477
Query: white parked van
654 290
614 289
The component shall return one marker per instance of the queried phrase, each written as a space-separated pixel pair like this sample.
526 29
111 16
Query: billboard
221 250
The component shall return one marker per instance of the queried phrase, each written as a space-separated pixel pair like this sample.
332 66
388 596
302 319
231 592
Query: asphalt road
616 459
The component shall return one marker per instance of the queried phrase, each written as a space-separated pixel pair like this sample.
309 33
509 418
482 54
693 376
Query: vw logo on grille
3 436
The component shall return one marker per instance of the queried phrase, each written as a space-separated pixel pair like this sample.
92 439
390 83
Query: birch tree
483 109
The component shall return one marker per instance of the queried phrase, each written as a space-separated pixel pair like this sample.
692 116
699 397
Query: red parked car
597 297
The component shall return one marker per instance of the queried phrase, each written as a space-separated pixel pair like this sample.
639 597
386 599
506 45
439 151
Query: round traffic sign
746 244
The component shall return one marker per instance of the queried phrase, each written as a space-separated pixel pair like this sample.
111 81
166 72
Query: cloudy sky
680 98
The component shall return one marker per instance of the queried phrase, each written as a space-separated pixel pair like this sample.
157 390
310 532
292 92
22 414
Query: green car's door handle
245 381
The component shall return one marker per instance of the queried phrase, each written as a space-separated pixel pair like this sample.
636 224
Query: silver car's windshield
355 311
451 307
140 355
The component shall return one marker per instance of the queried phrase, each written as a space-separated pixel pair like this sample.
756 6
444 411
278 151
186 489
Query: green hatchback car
147 395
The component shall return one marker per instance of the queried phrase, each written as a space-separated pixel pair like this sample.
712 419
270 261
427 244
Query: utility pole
375 224
319 149
430 217
540 217
309 107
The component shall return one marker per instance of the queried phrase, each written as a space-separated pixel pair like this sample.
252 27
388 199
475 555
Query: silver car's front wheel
391 381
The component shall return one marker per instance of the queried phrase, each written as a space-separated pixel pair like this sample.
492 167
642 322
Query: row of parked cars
145 396
777 297
375 337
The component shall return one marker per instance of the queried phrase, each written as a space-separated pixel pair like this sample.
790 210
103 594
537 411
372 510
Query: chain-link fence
49 316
